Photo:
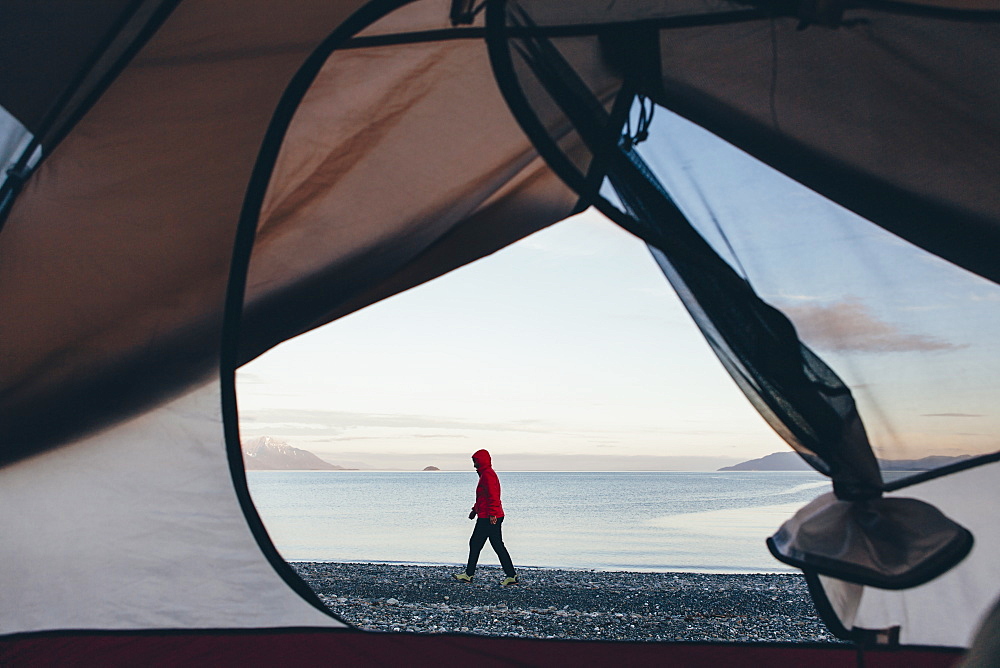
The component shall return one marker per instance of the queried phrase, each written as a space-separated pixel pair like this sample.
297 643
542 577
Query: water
639 521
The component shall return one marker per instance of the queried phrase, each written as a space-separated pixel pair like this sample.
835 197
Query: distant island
267 454
790 461
431 468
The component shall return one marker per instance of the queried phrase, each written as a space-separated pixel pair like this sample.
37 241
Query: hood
482 459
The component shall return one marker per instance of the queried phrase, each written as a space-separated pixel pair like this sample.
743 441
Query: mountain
777 461
267 454
923 464
431 468
789 461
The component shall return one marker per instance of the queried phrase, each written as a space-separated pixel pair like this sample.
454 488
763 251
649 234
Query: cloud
345 426
292 421
543 244
249 378
949 415
286 426
850 326
525 461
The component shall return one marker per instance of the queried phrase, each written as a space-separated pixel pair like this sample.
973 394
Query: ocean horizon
686 521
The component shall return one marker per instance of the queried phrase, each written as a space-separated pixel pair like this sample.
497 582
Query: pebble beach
570 604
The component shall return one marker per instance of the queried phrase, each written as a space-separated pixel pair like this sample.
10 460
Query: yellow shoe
462 577
506 582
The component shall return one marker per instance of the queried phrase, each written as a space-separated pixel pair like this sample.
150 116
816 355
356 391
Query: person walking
488 513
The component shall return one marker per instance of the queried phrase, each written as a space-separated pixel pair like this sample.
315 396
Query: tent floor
290 648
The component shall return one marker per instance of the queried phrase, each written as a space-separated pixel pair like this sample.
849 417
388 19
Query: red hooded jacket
488 489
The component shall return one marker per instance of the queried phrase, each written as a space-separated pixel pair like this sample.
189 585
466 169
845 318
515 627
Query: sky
570 351
569 342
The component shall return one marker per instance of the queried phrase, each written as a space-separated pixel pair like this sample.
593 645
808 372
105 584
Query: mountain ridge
267 454
790 461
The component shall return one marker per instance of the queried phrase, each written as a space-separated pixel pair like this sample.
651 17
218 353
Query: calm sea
641 521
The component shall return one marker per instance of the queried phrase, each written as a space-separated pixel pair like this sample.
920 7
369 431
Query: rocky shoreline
586 605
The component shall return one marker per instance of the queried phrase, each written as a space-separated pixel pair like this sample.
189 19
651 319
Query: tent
188 183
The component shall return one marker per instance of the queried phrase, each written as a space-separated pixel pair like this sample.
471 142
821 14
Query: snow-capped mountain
266 454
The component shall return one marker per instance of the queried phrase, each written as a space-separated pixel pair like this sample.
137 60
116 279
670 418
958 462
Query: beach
571 604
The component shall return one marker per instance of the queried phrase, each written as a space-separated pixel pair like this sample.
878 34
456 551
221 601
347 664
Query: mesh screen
912 335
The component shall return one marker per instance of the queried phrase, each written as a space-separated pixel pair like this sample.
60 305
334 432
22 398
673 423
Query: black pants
485 529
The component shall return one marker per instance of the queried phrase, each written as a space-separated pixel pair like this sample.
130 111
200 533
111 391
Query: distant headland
790 461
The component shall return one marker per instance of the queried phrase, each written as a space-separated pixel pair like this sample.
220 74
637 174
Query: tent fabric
948 609
15 140
599 14
139 527
35 77
133 217
785 102
48 91
192 109
864 541
985 649
882 115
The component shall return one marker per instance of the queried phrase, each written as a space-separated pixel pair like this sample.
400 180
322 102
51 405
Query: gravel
587 605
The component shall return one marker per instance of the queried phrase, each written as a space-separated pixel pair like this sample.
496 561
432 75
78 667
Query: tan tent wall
116 255
138 527
133 216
